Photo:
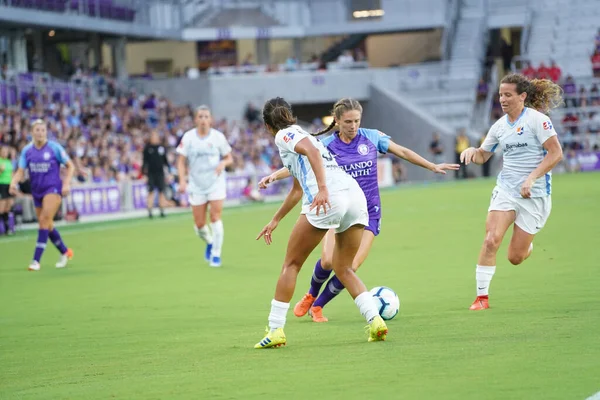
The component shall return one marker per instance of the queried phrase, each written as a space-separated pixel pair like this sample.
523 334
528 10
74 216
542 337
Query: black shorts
156 182
4 192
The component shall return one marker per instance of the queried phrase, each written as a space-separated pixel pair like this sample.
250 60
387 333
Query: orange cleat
302 307
316 314
480 303
69 254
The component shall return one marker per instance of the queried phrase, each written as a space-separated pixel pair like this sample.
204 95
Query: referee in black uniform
155 161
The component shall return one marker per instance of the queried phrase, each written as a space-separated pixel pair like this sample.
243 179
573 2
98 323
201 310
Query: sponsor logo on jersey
289 136
513 146
547 125
362 168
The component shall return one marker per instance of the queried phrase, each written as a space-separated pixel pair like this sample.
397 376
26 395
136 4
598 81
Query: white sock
484 276
367 306
278 314
218 234
204 234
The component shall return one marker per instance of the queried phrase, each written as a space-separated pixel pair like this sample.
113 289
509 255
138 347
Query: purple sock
40 246
332 289
57 240
319 277
3 227
11 222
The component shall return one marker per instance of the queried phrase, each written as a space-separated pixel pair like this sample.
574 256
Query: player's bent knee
516 259
326 264
45 222
492 242
292 266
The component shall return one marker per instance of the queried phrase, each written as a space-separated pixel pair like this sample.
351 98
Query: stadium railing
15 90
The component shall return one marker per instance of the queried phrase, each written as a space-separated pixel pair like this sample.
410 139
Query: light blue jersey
522 144
299 167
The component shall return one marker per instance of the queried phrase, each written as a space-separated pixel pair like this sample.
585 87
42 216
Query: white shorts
530 214
198 199
348 208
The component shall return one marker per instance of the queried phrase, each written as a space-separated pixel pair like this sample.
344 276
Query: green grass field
139 315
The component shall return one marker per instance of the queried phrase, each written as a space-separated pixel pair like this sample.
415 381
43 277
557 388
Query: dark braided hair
277 113
339 108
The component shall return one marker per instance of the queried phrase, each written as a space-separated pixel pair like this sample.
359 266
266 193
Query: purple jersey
359 159
44 167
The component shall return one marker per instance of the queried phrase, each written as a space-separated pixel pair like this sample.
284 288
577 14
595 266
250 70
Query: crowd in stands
106 140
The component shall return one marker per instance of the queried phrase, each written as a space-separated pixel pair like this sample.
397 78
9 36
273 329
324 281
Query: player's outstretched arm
414 158
475 155
289 203
281 173
292 198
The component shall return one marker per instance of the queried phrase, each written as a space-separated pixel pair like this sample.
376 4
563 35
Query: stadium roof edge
34 18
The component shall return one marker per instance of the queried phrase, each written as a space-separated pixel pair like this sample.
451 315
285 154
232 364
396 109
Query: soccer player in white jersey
523 190
206 153
331 199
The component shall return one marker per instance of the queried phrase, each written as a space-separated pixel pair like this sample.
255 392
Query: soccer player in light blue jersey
43 158
522 195
331 199
355 149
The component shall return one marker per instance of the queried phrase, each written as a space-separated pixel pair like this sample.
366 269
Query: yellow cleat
377 329
274 338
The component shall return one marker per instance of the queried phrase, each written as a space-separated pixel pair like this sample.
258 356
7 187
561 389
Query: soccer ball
387 302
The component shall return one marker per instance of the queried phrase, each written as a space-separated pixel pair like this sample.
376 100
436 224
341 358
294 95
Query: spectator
482 90
596 63
252 115
582 100
554 72
543 72
346 59
571 123
529 71
570 90
462 143
594 95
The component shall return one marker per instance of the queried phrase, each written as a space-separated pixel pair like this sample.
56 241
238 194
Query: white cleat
63 261
34 266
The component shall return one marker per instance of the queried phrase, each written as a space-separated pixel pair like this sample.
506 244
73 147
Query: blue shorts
374 226
38 197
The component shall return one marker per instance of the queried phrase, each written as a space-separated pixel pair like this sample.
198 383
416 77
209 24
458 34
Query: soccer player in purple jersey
43 159
355 149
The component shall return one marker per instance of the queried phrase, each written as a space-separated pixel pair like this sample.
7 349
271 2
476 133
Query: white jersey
523 151
203 154
300 168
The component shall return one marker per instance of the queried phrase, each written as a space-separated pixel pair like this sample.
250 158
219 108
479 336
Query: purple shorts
374 226
39 197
